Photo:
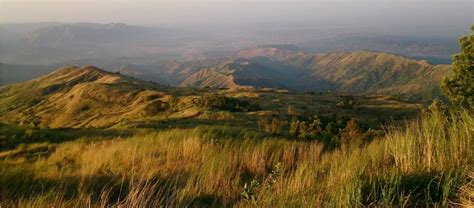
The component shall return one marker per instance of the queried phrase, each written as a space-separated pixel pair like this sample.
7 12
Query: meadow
427 163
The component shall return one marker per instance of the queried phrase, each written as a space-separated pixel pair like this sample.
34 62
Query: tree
459 87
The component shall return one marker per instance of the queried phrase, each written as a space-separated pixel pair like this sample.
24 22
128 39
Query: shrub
351 135
275 173
346 104
249 192
272 126
310 129
222 102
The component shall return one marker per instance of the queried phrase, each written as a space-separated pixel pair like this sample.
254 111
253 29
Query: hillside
365 72
179 147
77 97
90 97
436 50
357 72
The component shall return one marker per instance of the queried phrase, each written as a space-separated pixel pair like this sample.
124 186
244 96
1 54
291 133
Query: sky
391 15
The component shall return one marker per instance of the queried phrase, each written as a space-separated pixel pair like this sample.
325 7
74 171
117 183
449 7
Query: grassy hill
77 97
365 72
90 97
82 136
357 72
427 164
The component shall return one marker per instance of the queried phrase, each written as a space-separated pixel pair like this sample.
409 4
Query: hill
77 97
178 147
436 50
90 97
356 72
361 72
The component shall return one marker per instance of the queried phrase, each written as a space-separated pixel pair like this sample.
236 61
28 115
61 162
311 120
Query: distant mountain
59 43
78 97
436 50
357 72
54 43
366 72
86 35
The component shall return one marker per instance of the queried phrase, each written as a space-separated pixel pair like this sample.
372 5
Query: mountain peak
80 74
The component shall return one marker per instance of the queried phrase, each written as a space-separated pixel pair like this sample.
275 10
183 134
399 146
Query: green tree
459 87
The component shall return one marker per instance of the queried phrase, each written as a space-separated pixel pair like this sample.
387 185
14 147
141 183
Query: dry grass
428 164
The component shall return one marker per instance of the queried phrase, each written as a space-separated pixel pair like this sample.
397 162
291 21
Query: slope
78 97
357 72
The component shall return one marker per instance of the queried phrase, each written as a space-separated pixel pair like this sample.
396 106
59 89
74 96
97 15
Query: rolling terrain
77 97
90 97
357 72
361 72
82 136
268 127
137 104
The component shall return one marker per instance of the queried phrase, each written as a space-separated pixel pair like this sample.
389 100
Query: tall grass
429 163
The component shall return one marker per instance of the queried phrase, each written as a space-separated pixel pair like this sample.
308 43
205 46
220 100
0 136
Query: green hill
187 147
77 97
365 72
357 72
90 97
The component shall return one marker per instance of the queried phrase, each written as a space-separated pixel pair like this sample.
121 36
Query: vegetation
347 103
222 102
74 97
460 86
356 72
83 137
427 164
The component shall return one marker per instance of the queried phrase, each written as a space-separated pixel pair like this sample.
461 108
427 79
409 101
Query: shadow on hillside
186 123
206 200
100 188
411 189
12 136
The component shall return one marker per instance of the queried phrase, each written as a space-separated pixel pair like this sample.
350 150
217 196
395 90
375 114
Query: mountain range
362 72
89 97
366 72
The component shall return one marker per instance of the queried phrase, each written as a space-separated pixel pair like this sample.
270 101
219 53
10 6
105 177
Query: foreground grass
427 164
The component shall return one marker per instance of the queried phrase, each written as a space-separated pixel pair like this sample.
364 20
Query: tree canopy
459 87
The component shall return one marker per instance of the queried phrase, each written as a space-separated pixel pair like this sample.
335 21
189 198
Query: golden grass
428 164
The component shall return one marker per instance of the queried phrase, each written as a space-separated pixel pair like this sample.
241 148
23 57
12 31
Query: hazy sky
389 14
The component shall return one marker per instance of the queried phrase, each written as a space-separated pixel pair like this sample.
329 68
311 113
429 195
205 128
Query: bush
346 104
222 102
272 126
309 129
